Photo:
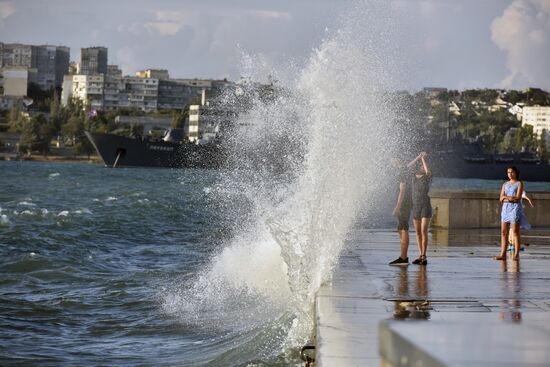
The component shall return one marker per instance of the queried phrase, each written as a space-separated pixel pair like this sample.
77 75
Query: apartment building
539 118
114 70
109 92
153 73
87 88
46 64
138 93
93 60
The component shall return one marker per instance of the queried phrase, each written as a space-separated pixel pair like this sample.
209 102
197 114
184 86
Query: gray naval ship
461 160
171 151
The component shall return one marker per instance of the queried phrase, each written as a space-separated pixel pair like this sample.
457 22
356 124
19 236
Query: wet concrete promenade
462 309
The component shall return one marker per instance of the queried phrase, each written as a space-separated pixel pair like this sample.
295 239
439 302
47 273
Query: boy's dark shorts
403 219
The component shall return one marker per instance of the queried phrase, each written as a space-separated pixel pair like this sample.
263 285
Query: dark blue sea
88 255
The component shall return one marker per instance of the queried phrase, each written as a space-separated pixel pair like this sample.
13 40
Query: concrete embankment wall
481 209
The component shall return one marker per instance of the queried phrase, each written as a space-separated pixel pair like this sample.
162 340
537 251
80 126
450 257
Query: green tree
36 135
73 128
57 115
508 142
536 96
178 119
15 120
526 140
136 130
542 150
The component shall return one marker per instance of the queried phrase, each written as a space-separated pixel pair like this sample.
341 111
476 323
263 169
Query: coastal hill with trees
489 117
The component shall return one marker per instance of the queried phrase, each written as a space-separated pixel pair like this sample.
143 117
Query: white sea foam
53 175
4 220
111 198
26 203
63 213
307 160
83 211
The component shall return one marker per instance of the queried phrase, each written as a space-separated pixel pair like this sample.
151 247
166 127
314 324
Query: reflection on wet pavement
462 287
419 307
510 309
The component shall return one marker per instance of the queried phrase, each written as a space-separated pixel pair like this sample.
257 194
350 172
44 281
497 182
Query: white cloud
169 23
269 14
426 8
163 28
166 23
134 28
523 33
6 9
206 38
127 60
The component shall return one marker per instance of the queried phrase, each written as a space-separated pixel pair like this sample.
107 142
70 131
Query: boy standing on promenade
402 210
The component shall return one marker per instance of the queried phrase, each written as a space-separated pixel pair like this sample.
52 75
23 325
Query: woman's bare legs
425 222
504 229
515 227
418 231
421 229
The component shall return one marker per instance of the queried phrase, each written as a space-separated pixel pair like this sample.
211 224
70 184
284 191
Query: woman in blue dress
512 212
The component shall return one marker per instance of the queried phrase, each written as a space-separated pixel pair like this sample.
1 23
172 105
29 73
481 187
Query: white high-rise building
539 118
88 88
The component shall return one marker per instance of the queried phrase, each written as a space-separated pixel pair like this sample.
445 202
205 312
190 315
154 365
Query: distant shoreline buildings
102 87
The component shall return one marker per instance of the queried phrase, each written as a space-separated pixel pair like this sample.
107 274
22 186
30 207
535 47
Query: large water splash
308 154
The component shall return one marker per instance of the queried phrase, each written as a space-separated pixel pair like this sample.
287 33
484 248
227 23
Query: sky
454 44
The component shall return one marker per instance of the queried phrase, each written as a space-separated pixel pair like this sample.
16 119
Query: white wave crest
26 203
4 220
83 211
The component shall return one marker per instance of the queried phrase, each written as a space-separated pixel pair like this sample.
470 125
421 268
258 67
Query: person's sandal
424 260
418 261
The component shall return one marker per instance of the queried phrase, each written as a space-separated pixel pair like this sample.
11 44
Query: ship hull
121 151
457 167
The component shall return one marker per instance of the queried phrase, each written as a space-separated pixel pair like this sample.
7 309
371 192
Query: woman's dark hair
516 170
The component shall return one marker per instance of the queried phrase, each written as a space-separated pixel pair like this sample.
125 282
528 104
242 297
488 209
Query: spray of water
307 154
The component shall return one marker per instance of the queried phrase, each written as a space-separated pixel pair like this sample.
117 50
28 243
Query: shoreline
93 159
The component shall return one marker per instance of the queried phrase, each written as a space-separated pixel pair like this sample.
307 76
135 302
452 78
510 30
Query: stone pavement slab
461 288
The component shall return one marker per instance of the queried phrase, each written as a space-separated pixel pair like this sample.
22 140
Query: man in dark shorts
402 210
